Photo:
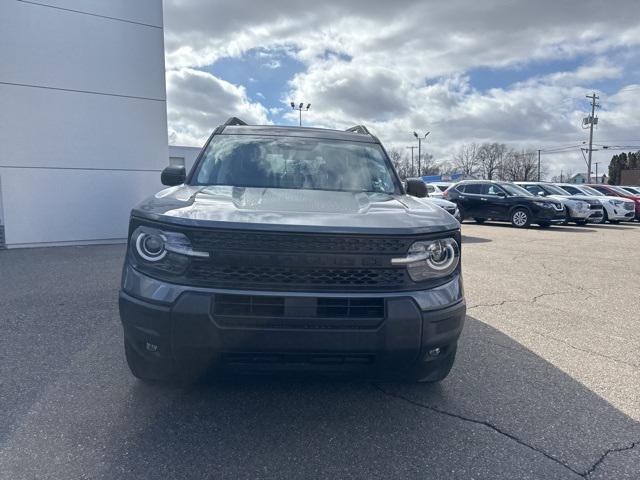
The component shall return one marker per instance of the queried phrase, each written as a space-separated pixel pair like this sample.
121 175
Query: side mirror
416 188
501 194
173 175
542 194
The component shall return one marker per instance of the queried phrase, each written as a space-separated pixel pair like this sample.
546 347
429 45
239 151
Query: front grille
294 261
279 242
234 310
210 273
628 206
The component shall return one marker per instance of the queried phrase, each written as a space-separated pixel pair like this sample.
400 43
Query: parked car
579 210
289 248
615 191
448 206
616 209
631 189
436 189
503 201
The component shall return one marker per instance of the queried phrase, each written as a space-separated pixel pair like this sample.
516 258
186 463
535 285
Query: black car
291 248
503 201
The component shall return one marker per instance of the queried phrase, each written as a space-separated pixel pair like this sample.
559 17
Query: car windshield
620 190
296 163
590 191
515 190
554 190
633 190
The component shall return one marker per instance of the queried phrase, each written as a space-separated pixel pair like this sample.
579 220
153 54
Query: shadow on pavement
504 412
553 228
470 239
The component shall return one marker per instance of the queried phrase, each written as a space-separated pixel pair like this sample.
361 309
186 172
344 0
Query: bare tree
491 156
400 162
466 160
520 166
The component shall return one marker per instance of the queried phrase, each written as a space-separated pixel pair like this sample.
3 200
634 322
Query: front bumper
550 215
181 321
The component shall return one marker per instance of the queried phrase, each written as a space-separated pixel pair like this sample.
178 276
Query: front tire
520 218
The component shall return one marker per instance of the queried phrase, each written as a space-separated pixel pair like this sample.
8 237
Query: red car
615 191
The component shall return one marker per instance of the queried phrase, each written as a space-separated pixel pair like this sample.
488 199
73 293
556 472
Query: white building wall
188 154
83 120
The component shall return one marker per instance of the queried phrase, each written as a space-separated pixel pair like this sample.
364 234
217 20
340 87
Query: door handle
483 199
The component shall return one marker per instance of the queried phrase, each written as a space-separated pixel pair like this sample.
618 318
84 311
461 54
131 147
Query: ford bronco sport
289 248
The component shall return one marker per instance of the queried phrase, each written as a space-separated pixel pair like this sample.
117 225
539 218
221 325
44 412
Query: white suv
616 209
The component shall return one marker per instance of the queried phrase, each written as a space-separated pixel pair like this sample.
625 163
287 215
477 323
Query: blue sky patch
264 74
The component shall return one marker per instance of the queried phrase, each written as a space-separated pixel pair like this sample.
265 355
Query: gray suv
291 249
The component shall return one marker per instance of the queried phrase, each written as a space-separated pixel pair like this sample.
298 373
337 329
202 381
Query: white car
436 189
450 207
616 209
579 210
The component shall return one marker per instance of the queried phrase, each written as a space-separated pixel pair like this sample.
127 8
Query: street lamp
420 138
300 108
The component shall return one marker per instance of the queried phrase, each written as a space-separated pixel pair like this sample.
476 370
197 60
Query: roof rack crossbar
359 129
234 121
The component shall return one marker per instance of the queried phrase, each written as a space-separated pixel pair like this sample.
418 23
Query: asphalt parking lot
546 385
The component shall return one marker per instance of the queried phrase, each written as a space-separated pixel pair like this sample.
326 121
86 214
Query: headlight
430 259
544 204
157 250
617 203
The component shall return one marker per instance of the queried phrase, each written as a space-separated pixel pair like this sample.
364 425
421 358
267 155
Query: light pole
413 147
420 138
300 108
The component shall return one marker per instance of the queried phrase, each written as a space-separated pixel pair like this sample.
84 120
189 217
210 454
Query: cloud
198 101
403 65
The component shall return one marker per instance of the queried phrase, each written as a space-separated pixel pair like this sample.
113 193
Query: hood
279 209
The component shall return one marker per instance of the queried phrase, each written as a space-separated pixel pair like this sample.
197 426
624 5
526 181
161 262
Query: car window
491 189
295 163
473 188
534 189
430 188
572 190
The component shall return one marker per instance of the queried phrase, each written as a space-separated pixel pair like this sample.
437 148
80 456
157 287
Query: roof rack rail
359 129
234 121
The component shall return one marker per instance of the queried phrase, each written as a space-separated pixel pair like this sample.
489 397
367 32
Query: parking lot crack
484 423
597 463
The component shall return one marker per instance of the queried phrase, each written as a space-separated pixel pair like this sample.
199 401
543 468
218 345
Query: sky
514 72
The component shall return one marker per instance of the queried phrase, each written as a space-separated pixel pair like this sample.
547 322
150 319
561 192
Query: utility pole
538 164
300 108
412 149
597 172
591 121
420 138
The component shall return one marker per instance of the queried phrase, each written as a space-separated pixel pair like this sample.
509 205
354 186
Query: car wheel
461 212
436 370
520 218
480 220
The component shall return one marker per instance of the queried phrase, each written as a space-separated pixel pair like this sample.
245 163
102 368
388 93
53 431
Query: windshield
620 190
295 162
591 191
554 190
515 190
633 190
